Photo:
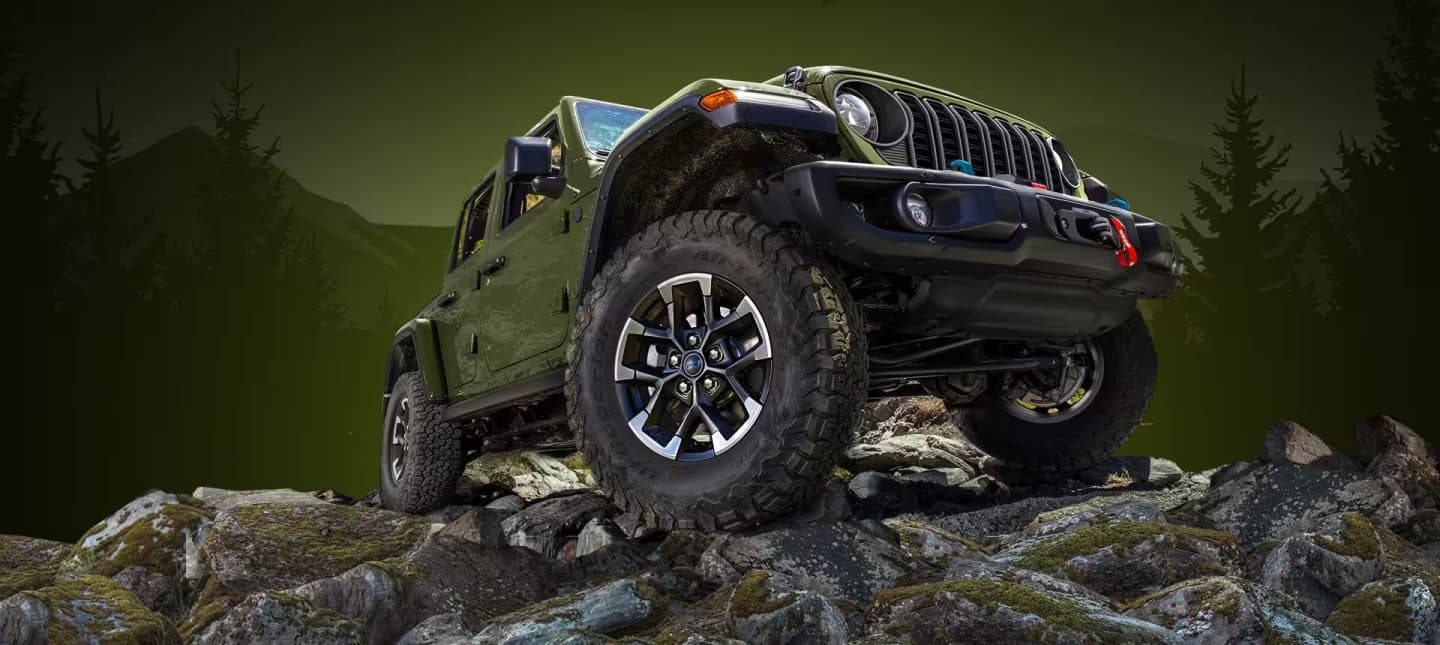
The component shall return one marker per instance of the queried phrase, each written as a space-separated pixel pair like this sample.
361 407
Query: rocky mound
911 542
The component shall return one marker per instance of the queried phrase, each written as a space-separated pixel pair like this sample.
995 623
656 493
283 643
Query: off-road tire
814 396
1039 451
434 456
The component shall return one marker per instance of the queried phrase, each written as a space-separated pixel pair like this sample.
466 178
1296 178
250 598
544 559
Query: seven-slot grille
941 133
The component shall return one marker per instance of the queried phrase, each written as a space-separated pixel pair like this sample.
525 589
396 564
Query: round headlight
917 209
857 114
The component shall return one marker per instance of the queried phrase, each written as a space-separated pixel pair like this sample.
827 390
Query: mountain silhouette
370 263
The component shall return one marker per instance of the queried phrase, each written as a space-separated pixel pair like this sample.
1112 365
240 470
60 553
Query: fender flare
679 111
420 335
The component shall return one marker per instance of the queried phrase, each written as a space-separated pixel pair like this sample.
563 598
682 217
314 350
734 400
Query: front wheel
421 455
1047 424
716 372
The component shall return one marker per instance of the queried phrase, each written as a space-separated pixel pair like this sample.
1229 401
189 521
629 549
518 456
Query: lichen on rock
86 608
1317 570
1222 609
277 617
28 563
1396 609
531 475
766 608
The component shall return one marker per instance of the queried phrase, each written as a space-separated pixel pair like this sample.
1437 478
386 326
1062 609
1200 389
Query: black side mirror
526 158
552 186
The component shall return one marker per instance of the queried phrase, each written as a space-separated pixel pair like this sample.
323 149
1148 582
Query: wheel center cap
693 364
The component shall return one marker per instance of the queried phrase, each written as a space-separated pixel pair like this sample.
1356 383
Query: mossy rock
529 474
998 611
85 609
1223 609
28 563
150 531
752 596
1357 538
277 546
1397 610
278 617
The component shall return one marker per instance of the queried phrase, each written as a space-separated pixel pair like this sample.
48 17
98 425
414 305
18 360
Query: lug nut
674 360
693 340
683 386
708 383
714 353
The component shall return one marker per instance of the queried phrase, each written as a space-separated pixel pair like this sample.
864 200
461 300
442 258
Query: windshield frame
590 148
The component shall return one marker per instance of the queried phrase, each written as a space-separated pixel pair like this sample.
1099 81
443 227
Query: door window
470 235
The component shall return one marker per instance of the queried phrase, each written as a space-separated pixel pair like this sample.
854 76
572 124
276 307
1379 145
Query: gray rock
1318 570
282 545
878 494
1153 472
1218 610
544 526
273 617
766 608
597 534
1377 435
1100 510
922 450
507 503
479 525
1000 611
1231 472
984 569
835 560
145 546
1125 560
682 549
1410 473
81 608
223 500
529 474
28 563
602 610
933 545
937 476
1276 501
445 574
1289 443
440 629
1398 609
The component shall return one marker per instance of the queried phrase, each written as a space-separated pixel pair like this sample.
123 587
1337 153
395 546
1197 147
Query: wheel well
402 360
693 165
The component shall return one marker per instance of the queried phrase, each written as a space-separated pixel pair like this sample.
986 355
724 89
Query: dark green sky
397 111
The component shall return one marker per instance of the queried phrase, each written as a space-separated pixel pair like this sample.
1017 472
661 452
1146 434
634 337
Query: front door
523 287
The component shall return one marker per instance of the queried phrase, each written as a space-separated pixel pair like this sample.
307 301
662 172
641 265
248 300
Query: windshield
601 124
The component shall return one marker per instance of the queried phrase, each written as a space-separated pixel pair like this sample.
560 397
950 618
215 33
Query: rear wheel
421 455
1051 423
716 372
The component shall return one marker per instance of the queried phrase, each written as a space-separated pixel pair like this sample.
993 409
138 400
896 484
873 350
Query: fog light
917 209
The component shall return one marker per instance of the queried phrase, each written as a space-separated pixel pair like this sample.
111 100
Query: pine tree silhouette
104 143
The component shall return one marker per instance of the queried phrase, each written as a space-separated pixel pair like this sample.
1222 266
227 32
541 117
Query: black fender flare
676 113
416 346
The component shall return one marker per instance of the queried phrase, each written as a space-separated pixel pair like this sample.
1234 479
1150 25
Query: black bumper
1000 259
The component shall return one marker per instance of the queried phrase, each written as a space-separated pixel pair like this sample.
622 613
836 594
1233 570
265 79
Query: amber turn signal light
717 99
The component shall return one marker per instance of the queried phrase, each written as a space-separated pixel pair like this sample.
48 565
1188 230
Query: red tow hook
1126 256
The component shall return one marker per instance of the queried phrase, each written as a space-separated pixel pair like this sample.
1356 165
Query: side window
473 215
521 199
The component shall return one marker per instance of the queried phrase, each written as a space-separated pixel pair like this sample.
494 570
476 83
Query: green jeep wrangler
706 293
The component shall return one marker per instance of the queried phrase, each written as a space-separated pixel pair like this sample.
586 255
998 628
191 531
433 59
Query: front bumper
1000 260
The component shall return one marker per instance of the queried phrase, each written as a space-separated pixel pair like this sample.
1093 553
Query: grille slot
949 134
1019 150
975 141
922 135
1001 163
1042 161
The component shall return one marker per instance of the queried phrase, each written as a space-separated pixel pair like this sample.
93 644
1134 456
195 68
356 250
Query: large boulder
482 526
931 544
1380 434
146 546
766 608
282 545
546 525
1220 610
1287 442
837 560
529 474
998 611
1318 570
444 574
598 611
222 499
1397 609
1125 559
1273 502
1403 458
28 563
276 617
82 609
922 450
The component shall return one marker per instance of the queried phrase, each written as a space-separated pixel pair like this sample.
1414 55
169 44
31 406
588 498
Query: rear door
461 299
524 301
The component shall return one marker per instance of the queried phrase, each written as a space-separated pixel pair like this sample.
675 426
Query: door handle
448 299
493 266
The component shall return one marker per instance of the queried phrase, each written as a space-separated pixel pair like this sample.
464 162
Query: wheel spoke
637 328
639 372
